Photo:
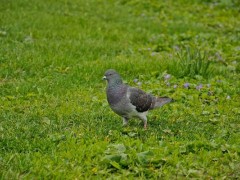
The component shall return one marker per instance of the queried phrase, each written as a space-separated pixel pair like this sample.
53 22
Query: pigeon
130 102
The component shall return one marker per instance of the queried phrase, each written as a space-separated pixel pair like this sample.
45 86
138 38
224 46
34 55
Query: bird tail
160 101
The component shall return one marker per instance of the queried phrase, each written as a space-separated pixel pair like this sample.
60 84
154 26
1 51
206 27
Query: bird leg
144 119
145 124
125 121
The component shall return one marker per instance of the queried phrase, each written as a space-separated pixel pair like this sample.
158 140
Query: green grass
55 122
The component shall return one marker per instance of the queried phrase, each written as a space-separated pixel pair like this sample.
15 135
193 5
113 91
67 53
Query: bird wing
141 100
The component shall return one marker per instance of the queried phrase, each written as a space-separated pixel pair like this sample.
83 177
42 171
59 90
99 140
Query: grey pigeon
129 102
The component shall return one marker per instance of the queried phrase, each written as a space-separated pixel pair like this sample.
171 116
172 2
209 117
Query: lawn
55 122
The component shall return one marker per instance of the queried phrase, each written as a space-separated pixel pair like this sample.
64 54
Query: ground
55 122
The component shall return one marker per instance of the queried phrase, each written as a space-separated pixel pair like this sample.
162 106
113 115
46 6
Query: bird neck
114 83
115 91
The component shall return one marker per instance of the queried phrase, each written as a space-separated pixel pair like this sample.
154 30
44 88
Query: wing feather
140 99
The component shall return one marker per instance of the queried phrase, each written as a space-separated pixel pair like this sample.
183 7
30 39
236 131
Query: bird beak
104 78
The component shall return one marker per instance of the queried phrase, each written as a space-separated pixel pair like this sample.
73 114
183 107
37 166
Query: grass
55 122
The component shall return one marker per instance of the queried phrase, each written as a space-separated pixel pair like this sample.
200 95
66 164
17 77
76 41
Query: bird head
112 76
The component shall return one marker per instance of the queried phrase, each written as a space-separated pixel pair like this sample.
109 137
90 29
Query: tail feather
160 101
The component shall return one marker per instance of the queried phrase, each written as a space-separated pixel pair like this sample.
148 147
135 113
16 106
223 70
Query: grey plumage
128 101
